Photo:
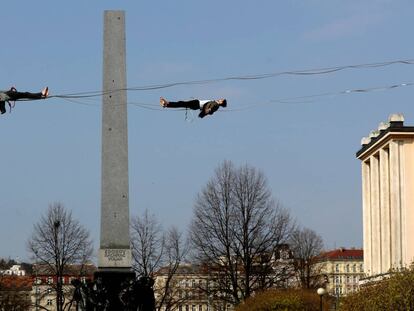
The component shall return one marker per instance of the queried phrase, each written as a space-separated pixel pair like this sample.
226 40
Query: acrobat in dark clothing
206 107
13 95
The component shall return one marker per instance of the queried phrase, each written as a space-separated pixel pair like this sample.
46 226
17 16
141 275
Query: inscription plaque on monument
115 257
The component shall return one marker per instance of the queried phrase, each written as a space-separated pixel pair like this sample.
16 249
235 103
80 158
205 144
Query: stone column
395 203
375 216
114 258
115 241
366 216
386 252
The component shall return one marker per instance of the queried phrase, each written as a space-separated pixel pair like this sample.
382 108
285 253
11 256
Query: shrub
284 300
393 293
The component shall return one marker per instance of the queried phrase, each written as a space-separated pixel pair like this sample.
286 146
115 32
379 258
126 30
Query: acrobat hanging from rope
206 107
13 95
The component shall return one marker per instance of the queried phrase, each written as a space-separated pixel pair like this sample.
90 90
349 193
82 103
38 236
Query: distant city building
341 270
191 288
387 158
14 270
195 287
43 293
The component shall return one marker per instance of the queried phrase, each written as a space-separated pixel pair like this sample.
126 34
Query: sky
51 149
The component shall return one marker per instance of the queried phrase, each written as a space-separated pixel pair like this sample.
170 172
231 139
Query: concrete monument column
115 249
114 258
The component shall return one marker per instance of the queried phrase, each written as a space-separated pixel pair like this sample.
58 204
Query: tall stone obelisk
114 258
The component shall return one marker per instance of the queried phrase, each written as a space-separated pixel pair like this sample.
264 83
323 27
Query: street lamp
321 291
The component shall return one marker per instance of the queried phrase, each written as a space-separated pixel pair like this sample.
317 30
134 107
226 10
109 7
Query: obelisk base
114 281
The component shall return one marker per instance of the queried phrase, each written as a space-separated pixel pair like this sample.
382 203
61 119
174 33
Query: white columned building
387 158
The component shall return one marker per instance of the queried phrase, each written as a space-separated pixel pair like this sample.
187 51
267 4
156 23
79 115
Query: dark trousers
13 95
23 95
190 104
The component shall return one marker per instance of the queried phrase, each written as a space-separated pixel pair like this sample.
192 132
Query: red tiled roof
70 270
343 254
19 283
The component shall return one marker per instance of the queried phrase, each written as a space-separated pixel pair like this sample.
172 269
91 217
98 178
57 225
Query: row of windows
339 290
64 280
348 268
199 308
190 295
191 283
348 279
193 308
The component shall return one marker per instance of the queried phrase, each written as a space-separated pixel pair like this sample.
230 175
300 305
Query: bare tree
59 241
306 245
158 253
237 228
148 243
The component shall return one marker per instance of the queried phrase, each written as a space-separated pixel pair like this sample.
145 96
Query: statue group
134 295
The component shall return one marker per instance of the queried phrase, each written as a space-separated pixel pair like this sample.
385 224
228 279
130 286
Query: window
193 283
354 268
49 302
83 280
38 281
180 308
49 290
49 280
347 268
200 308
187 308
337 268
361 268
193 308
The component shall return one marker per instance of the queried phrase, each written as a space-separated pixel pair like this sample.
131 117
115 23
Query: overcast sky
50 150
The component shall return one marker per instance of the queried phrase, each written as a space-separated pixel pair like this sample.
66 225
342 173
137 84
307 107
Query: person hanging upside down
206 106
13 95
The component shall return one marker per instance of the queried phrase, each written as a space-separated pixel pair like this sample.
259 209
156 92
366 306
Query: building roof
343 254
395 125
184 269
70 270
15 283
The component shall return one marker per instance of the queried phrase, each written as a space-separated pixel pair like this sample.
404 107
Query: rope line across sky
80 97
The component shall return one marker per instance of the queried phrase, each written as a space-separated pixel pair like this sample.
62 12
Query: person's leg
14 95
191 104
24 95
